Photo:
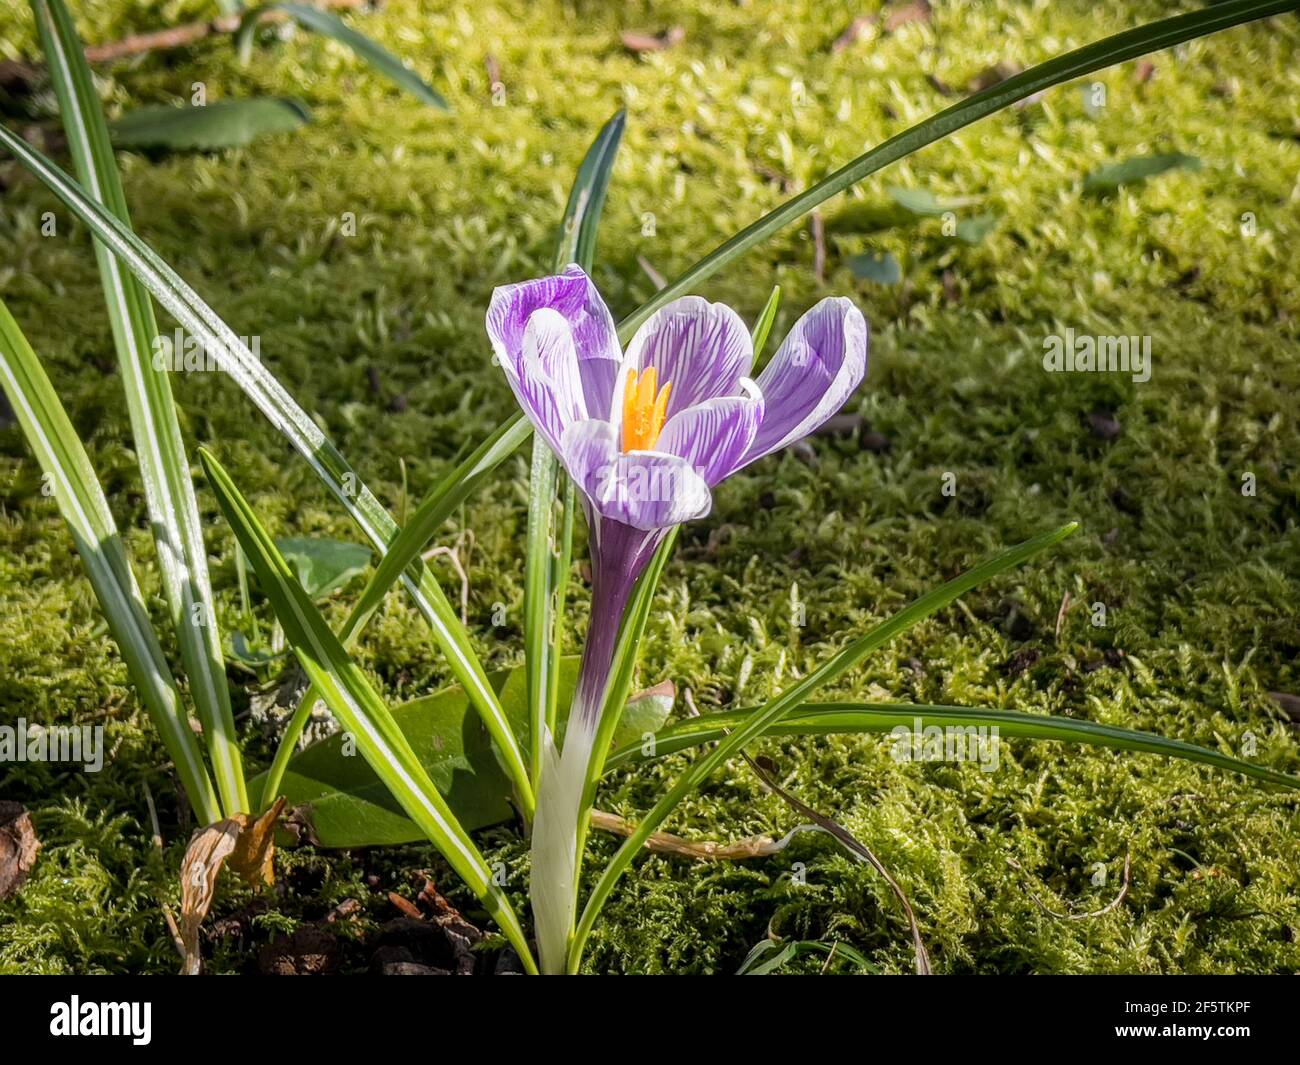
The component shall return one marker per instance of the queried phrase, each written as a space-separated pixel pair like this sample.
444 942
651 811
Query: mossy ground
1199 580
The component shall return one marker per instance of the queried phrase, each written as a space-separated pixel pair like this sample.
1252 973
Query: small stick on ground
818 230
1060 615
173 929
660 282
708 850
495 84
1113 904
452 554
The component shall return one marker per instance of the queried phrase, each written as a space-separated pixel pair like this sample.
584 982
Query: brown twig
452 554
1113 904
709 850
176 37
658 279
818 230
173 929
855 846
1060 615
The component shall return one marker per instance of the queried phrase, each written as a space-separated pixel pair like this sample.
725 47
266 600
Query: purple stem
618 555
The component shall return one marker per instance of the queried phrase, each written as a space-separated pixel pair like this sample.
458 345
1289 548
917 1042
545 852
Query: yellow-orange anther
645 406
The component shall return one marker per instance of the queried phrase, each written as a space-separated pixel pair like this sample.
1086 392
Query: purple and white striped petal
575 298
813 372
702 349
716 435
644 489
546 380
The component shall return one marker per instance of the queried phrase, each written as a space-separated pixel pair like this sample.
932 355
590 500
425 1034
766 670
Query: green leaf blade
368 50
298 427
81 500
793 696
822 719
358 707
160 447
212 127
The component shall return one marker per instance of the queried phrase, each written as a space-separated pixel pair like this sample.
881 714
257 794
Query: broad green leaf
880 267
221 124
81 500
975 229
923 202
298 427
798 693
824 719
359 709
1137 168
323 566
159 446
242 651
348 805
1119 48
645 714
330 25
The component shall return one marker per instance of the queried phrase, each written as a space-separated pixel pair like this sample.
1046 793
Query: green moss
1199 580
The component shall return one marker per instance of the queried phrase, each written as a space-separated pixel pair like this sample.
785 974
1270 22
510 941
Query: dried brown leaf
207 853
248 844
857 29
918 11
255 849
653 42
18 847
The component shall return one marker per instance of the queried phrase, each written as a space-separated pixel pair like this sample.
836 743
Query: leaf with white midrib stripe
81 500
271 398
160 448
360 710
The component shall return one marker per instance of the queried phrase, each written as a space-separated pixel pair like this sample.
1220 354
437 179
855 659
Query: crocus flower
645 435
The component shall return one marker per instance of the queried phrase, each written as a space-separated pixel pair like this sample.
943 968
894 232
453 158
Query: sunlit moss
380 336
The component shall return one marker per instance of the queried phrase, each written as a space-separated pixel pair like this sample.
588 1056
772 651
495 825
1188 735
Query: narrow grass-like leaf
1111 50
562 563
221 124
330 25
402 552
159 446
77 491
758 723
246 370
766 319
358 707
543 579
825 719
448 494
538 621
581 225
1135 169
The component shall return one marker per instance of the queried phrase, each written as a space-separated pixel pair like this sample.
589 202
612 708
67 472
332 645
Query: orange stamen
645 406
